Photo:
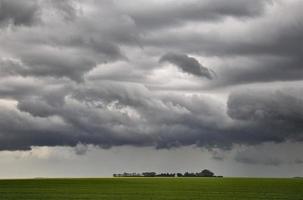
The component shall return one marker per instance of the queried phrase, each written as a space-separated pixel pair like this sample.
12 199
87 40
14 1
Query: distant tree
149 174
206 173
203 173
166 175
189 174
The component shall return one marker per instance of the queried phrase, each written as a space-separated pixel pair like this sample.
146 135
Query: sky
96 87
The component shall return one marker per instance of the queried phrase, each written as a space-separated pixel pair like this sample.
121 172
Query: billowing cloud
116 114
269 115
49 63
162 14
262 106
77 73
247 53
66 43
187 64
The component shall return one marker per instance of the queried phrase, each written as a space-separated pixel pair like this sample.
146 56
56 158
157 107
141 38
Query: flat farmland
153 189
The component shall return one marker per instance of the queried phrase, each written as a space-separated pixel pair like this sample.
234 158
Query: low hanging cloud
270 115
267 106
270 154
116 115
187 64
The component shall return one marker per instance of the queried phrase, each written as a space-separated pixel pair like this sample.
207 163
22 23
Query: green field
152 188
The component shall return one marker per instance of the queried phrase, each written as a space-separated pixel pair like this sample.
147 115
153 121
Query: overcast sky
95 87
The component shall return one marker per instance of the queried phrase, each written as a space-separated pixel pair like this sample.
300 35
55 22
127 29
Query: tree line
203 173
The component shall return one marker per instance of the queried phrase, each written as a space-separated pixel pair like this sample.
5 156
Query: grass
153 189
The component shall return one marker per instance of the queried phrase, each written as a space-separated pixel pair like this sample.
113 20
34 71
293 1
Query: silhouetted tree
149 174
203 173
206 173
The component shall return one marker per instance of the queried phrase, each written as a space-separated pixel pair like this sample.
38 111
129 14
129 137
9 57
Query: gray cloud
66 8
89 73
116 114
250 54
81 149
165 14
20 131
270 115
18 12
261 106
187 64
50 64
64 48
270 154
267 161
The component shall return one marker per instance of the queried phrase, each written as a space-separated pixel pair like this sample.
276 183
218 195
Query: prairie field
153 189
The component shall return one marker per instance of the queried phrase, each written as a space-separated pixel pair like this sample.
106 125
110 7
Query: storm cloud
187 64
75 73
273 114
116 115
162 14
17 12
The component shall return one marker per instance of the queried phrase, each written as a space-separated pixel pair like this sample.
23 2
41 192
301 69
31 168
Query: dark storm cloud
115 115
65 49
255 54
166 14
20 130
89 74
276 56
18 12
270 115
250 39
187 64
262 106
112 116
